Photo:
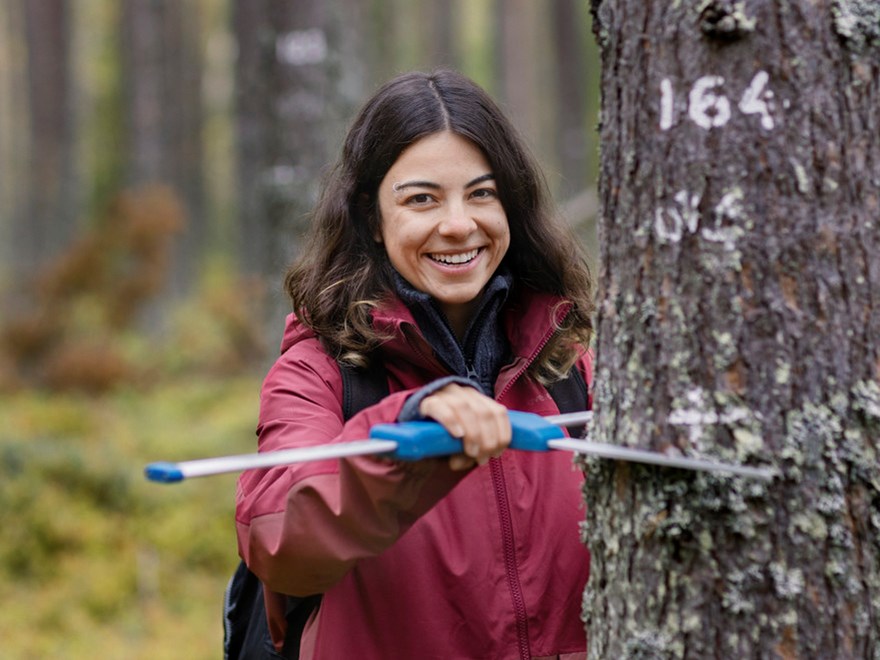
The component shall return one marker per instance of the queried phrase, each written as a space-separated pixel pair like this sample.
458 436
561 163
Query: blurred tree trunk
739 319
45 219
516 64
526 68
571 93
380 53
11 93
441 33
162 72
298 78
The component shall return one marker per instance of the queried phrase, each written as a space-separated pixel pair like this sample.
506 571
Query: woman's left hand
481 423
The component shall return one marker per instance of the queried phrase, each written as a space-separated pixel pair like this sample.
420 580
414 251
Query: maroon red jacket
415 560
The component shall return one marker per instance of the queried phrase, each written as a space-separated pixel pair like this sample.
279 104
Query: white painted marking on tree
667 104
756 100
706 108
301 47
671 222
729 207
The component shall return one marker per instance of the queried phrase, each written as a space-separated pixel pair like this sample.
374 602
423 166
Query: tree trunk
739 317
516 64
297 82
441 33
571 96
162 72
46 219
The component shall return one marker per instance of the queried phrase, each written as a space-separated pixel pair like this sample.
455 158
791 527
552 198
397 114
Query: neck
459 317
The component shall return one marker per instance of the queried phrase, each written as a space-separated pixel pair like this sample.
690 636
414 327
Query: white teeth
464 257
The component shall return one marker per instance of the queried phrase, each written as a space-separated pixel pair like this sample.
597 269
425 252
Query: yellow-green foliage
94 559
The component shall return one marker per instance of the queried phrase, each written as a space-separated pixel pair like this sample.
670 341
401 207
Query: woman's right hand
481 423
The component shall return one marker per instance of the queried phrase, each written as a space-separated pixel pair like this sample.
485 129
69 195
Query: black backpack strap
245 629
362 386
571 395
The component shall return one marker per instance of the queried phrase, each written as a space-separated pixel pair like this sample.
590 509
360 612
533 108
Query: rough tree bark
739 319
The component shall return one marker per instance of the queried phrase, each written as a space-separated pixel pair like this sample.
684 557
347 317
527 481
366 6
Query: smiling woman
442 224
435 255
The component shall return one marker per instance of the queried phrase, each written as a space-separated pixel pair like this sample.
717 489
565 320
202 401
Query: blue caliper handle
418 440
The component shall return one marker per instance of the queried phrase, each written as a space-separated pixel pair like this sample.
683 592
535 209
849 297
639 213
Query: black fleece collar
485 348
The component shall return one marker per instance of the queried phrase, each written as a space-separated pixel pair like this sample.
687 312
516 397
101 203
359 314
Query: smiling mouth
456 259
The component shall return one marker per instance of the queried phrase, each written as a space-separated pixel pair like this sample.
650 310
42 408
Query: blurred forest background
158 159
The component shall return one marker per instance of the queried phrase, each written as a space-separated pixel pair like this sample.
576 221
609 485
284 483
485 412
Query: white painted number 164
709 109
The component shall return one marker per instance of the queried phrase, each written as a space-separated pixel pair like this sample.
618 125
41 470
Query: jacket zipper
467 350
507 537
525 365
510 566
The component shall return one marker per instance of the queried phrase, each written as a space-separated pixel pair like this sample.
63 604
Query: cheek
400 241
501 231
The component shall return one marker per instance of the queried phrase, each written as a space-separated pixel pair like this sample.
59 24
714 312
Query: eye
419 199
484 193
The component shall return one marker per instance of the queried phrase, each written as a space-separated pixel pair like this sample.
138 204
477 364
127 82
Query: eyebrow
397 187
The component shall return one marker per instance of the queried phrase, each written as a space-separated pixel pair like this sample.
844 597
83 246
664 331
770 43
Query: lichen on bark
858 22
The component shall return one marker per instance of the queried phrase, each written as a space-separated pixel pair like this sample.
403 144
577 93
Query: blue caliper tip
164 472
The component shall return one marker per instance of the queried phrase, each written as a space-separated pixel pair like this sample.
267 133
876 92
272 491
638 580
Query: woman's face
443 226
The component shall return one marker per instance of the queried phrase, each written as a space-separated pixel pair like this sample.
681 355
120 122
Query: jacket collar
482 351
529 318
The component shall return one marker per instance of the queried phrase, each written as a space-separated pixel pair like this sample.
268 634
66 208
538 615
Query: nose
456 222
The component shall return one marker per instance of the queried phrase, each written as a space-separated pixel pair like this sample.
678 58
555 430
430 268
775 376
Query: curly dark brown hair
343 273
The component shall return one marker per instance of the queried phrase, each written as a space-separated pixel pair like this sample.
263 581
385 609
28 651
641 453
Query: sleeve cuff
410 411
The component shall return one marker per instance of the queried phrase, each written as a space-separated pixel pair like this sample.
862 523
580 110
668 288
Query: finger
445 412
481 422
492 432
475 413
460 462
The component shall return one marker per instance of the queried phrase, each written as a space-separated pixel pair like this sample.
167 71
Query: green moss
102 553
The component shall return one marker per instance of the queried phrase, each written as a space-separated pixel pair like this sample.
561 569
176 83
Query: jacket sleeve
302 527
